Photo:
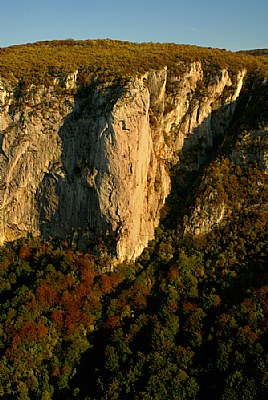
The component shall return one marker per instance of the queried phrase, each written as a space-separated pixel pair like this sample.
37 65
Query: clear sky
229 24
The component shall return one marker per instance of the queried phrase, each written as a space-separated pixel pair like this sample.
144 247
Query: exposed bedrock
80 167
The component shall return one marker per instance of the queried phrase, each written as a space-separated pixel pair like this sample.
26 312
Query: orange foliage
87 277
25 252
69 254
188 307
112 322
46 295
140 299
107 283
247 334
172 306
217 300
69 324
56 372
32 331
43 249
173 273
57 317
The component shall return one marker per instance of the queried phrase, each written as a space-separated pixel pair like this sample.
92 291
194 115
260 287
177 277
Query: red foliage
173 273
68 282
25 252
121 304
87 278
112 322
69 324
46 295
188 307
32 331
172 306
69 254
57 317
110 281
70 301
106 284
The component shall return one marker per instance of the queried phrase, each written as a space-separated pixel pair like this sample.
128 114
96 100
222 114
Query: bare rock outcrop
81 167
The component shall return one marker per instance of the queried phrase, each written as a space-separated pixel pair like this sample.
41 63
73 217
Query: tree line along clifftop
40 62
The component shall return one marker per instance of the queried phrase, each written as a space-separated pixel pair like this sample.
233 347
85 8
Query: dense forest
188 319
37 63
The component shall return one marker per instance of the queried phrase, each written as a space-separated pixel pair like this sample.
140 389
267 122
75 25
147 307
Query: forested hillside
188 319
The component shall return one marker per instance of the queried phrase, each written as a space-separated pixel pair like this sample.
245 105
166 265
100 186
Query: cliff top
38 62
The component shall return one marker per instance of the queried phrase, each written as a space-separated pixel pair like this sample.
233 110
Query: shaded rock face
253 149
80 167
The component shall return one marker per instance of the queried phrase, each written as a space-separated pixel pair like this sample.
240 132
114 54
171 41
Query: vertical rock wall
100 165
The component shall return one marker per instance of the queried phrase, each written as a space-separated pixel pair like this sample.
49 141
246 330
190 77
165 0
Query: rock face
99 164
214 209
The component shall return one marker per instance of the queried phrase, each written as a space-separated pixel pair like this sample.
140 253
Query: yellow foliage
40 62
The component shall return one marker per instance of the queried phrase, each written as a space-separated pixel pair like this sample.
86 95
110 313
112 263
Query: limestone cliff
217 207
81 166
224 195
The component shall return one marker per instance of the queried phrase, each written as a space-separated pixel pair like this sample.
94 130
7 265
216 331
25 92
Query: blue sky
230 24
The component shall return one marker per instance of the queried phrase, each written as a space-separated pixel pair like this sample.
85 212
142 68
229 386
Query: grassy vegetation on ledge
39 62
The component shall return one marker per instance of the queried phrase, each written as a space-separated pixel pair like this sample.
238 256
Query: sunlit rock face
100 165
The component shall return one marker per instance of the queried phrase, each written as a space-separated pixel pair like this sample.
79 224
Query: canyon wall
80 166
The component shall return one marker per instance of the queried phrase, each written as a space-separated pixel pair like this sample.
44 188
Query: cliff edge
80 164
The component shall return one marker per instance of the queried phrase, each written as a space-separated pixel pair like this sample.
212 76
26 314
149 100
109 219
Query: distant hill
255 52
